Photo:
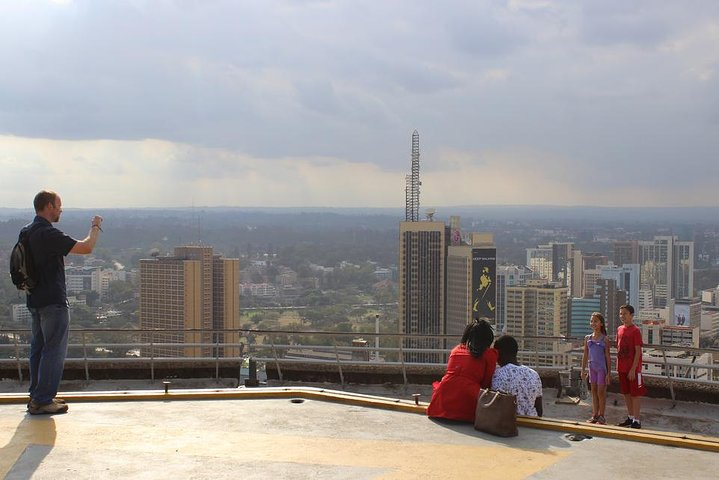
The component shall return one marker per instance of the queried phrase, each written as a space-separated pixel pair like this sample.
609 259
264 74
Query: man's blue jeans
48 347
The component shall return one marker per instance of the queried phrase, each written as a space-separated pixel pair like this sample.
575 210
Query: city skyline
313 104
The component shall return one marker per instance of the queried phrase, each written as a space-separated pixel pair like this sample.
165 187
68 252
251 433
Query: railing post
339 365
17 359
669 377
84 353
152 356
217 357
401 359
277 361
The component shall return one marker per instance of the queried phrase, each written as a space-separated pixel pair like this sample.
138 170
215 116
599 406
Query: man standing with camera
47 301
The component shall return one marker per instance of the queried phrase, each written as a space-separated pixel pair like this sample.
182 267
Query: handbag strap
484 392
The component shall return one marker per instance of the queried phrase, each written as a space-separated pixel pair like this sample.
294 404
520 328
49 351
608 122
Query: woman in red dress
470 367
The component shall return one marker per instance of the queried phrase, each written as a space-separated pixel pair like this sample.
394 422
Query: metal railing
277 347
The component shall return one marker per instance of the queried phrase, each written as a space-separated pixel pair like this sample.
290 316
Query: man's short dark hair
43 198
507 346
628 308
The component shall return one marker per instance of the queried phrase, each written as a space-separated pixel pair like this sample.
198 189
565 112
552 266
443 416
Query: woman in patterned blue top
519 380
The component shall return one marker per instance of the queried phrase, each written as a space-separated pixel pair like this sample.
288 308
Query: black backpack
22 267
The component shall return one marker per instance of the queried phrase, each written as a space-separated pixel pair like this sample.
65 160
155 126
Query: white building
258 289
680 364
20 313
539 260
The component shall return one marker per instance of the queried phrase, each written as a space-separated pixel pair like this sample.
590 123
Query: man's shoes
593 419
49 408
626 423
636 424
56 400
600 420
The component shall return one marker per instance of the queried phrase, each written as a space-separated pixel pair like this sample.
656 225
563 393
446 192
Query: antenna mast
412 184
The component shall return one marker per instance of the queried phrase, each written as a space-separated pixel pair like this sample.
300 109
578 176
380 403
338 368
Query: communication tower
412 183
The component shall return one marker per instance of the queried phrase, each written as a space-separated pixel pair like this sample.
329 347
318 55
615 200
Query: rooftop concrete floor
311 433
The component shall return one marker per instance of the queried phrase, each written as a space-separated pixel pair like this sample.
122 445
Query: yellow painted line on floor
680 440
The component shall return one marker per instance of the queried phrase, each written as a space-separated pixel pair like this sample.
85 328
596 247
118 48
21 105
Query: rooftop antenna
412 183
430 214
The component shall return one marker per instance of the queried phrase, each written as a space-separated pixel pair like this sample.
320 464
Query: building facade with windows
194 293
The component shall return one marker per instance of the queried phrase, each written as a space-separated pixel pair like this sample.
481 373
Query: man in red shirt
629 366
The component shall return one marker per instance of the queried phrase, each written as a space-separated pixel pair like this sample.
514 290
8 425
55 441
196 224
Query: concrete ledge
424 375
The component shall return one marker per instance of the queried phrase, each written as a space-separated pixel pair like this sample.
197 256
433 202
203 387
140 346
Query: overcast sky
313 103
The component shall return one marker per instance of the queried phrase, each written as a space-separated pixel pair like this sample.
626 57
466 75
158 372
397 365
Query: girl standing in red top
470 367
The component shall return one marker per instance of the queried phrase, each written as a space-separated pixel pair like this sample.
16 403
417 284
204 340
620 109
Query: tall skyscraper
190 290
626 252
509 276
626 277
581 263
422 253
539 259
580 312
421 271
611 297
656 268
562 260
667 269
553 262
538 310
683 270
471 283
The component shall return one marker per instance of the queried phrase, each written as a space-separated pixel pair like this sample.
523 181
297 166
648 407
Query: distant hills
272 215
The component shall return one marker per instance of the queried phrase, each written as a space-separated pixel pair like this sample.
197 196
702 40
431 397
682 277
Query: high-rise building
553 262
471 283
580 312
194 293
538 310
562 263
667 268
581 263
626 277
422 254
539 260
685 313
656 268
626 251
508 276
589 282
683 271
611 297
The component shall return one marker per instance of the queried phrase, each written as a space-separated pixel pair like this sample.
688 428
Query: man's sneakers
49 408
631 423
626 423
